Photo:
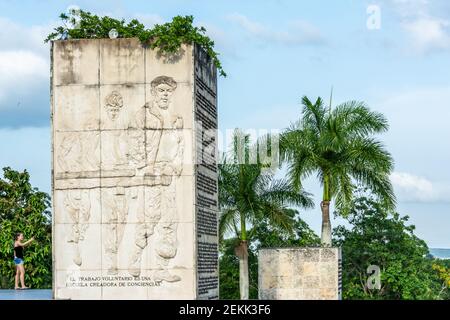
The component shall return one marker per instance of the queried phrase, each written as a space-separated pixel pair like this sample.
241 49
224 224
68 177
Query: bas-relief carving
164 137
77 153
154 150
164 148
136 148
77 203
115 151
120 105
115 212
122 149
113 104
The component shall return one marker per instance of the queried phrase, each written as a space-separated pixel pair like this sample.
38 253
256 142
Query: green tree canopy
382 238
24 209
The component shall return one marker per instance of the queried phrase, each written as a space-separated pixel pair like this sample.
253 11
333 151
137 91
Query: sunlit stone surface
135 203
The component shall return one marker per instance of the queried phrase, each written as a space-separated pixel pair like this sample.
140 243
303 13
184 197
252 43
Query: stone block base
300 274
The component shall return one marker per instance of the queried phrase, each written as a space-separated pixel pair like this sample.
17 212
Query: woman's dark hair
16 236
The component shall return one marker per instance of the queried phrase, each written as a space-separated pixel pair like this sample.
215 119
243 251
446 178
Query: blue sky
274 52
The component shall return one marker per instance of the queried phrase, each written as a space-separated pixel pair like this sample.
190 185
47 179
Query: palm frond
313 113
282 192
378 183
353 118
227 223
344 193
278 216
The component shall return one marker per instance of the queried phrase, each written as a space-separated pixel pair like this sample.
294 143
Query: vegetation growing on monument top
167 37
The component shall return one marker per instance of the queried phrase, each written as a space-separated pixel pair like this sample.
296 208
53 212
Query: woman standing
18 259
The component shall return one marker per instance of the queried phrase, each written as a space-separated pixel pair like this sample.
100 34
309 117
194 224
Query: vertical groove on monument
130 204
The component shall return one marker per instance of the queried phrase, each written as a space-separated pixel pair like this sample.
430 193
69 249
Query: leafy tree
248 193
382 238
442 267
24 209
263 234
167 37
338 145
267 235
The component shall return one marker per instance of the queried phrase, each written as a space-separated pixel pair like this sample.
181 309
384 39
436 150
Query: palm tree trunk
325 207
242 254
326 224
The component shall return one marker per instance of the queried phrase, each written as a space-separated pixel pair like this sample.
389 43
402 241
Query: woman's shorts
18 261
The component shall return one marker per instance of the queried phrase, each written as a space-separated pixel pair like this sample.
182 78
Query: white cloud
18 37
21 70
412 188
27 148
427 31
407 8
297 32
24 74
423 107
417 187
250 26
417 137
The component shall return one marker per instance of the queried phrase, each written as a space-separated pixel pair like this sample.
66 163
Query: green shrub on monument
167 37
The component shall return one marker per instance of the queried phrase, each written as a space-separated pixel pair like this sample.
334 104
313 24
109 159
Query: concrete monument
299 274
134 171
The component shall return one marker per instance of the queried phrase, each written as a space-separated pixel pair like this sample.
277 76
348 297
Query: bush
167 37
384 239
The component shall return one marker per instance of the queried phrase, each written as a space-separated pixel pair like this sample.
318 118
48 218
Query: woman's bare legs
22 276
17 277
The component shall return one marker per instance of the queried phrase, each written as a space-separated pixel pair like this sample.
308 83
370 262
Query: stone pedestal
299 274
134 171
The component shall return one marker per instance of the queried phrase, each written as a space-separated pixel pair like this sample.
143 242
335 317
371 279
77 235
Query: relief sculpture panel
77 204
152 152
157 224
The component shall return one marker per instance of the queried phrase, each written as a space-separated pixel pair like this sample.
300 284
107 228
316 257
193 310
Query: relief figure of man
164 151
77 204
115 215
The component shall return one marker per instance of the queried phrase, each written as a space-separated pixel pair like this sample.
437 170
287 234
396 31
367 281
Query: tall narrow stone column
134 171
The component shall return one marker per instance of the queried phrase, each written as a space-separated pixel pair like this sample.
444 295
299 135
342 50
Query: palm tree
338 146
248 192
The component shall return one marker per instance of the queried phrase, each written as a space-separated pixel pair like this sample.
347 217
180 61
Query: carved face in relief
162 91
113 104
